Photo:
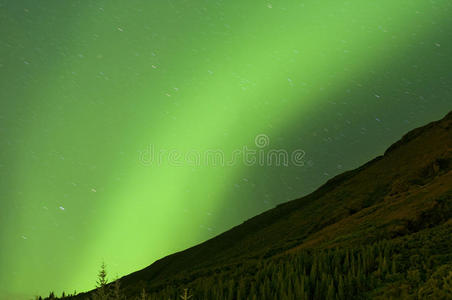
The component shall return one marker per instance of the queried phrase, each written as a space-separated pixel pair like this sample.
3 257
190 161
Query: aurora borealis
87 86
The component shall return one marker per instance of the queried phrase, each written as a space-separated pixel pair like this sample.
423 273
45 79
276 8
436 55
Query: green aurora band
87 86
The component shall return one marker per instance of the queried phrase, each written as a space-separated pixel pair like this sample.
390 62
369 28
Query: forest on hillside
415 266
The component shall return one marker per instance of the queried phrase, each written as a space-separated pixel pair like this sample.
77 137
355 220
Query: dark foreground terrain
381 231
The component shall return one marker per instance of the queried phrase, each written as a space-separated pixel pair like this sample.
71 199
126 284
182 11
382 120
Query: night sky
88 88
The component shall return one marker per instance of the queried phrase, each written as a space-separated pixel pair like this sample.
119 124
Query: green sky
88 87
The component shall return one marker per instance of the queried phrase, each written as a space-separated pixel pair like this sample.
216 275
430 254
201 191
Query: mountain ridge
404 191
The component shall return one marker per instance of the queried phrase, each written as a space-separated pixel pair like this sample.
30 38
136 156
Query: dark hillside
381 215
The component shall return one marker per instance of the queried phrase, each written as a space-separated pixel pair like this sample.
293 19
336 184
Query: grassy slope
407 190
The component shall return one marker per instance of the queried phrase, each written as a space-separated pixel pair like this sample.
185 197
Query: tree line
418 266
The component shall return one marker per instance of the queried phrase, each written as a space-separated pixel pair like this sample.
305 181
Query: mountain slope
404 193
